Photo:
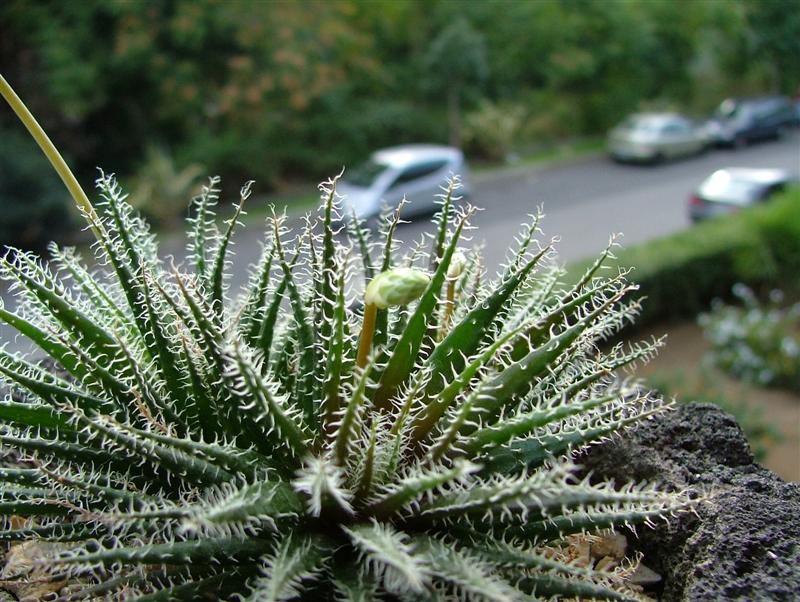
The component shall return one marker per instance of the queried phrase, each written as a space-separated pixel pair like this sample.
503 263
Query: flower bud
396 287
457 263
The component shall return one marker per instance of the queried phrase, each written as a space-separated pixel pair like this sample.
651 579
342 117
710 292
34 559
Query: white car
731 189
416 172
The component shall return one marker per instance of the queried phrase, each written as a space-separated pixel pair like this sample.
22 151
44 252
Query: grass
546 155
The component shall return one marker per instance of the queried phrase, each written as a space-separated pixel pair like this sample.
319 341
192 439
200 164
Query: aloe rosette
176 444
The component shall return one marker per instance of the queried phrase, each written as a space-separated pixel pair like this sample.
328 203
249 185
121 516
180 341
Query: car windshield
724 188
365 174
642 124
728 109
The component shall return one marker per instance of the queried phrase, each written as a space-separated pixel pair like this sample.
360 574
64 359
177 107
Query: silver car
415 172
653 137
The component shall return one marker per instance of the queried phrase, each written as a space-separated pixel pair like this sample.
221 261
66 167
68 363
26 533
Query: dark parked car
739 121
729 190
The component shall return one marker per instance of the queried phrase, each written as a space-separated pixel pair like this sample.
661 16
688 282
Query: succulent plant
301 443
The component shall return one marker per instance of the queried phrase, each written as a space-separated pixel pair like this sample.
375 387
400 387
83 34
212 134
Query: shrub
159 189
758 343
491 130
553 117
779 226
288 445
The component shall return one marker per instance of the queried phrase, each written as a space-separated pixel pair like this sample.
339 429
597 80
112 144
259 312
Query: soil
683 358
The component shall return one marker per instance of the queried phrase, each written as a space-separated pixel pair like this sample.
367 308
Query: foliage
779 228
185 444
759 343
492 129
773 42
681 274
284 89
761 433
160 189
33 205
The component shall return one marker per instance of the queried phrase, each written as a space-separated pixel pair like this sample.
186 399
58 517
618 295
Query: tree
456 62
775 30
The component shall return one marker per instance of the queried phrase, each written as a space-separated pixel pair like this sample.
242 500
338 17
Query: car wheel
739 142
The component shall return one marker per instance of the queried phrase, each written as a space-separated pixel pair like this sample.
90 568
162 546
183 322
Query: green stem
367 331
49 149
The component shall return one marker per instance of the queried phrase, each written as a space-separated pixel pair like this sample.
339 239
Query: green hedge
679 275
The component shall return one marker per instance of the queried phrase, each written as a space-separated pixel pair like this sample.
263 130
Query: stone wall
744 542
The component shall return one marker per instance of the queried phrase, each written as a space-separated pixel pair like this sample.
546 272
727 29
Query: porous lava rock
744 541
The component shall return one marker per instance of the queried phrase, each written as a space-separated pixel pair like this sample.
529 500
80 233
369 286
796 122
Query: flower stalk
49 149
367 333
457 264
391 288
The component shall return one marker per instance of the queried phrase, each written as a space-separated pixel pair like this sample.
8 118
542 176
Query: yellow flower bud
396 287
457 263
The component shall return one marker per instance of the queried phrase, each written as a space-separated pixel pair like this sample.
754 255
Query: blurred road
584 203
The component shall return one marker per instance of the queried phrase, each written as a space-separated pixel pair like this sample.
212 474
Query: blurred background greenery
291 91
